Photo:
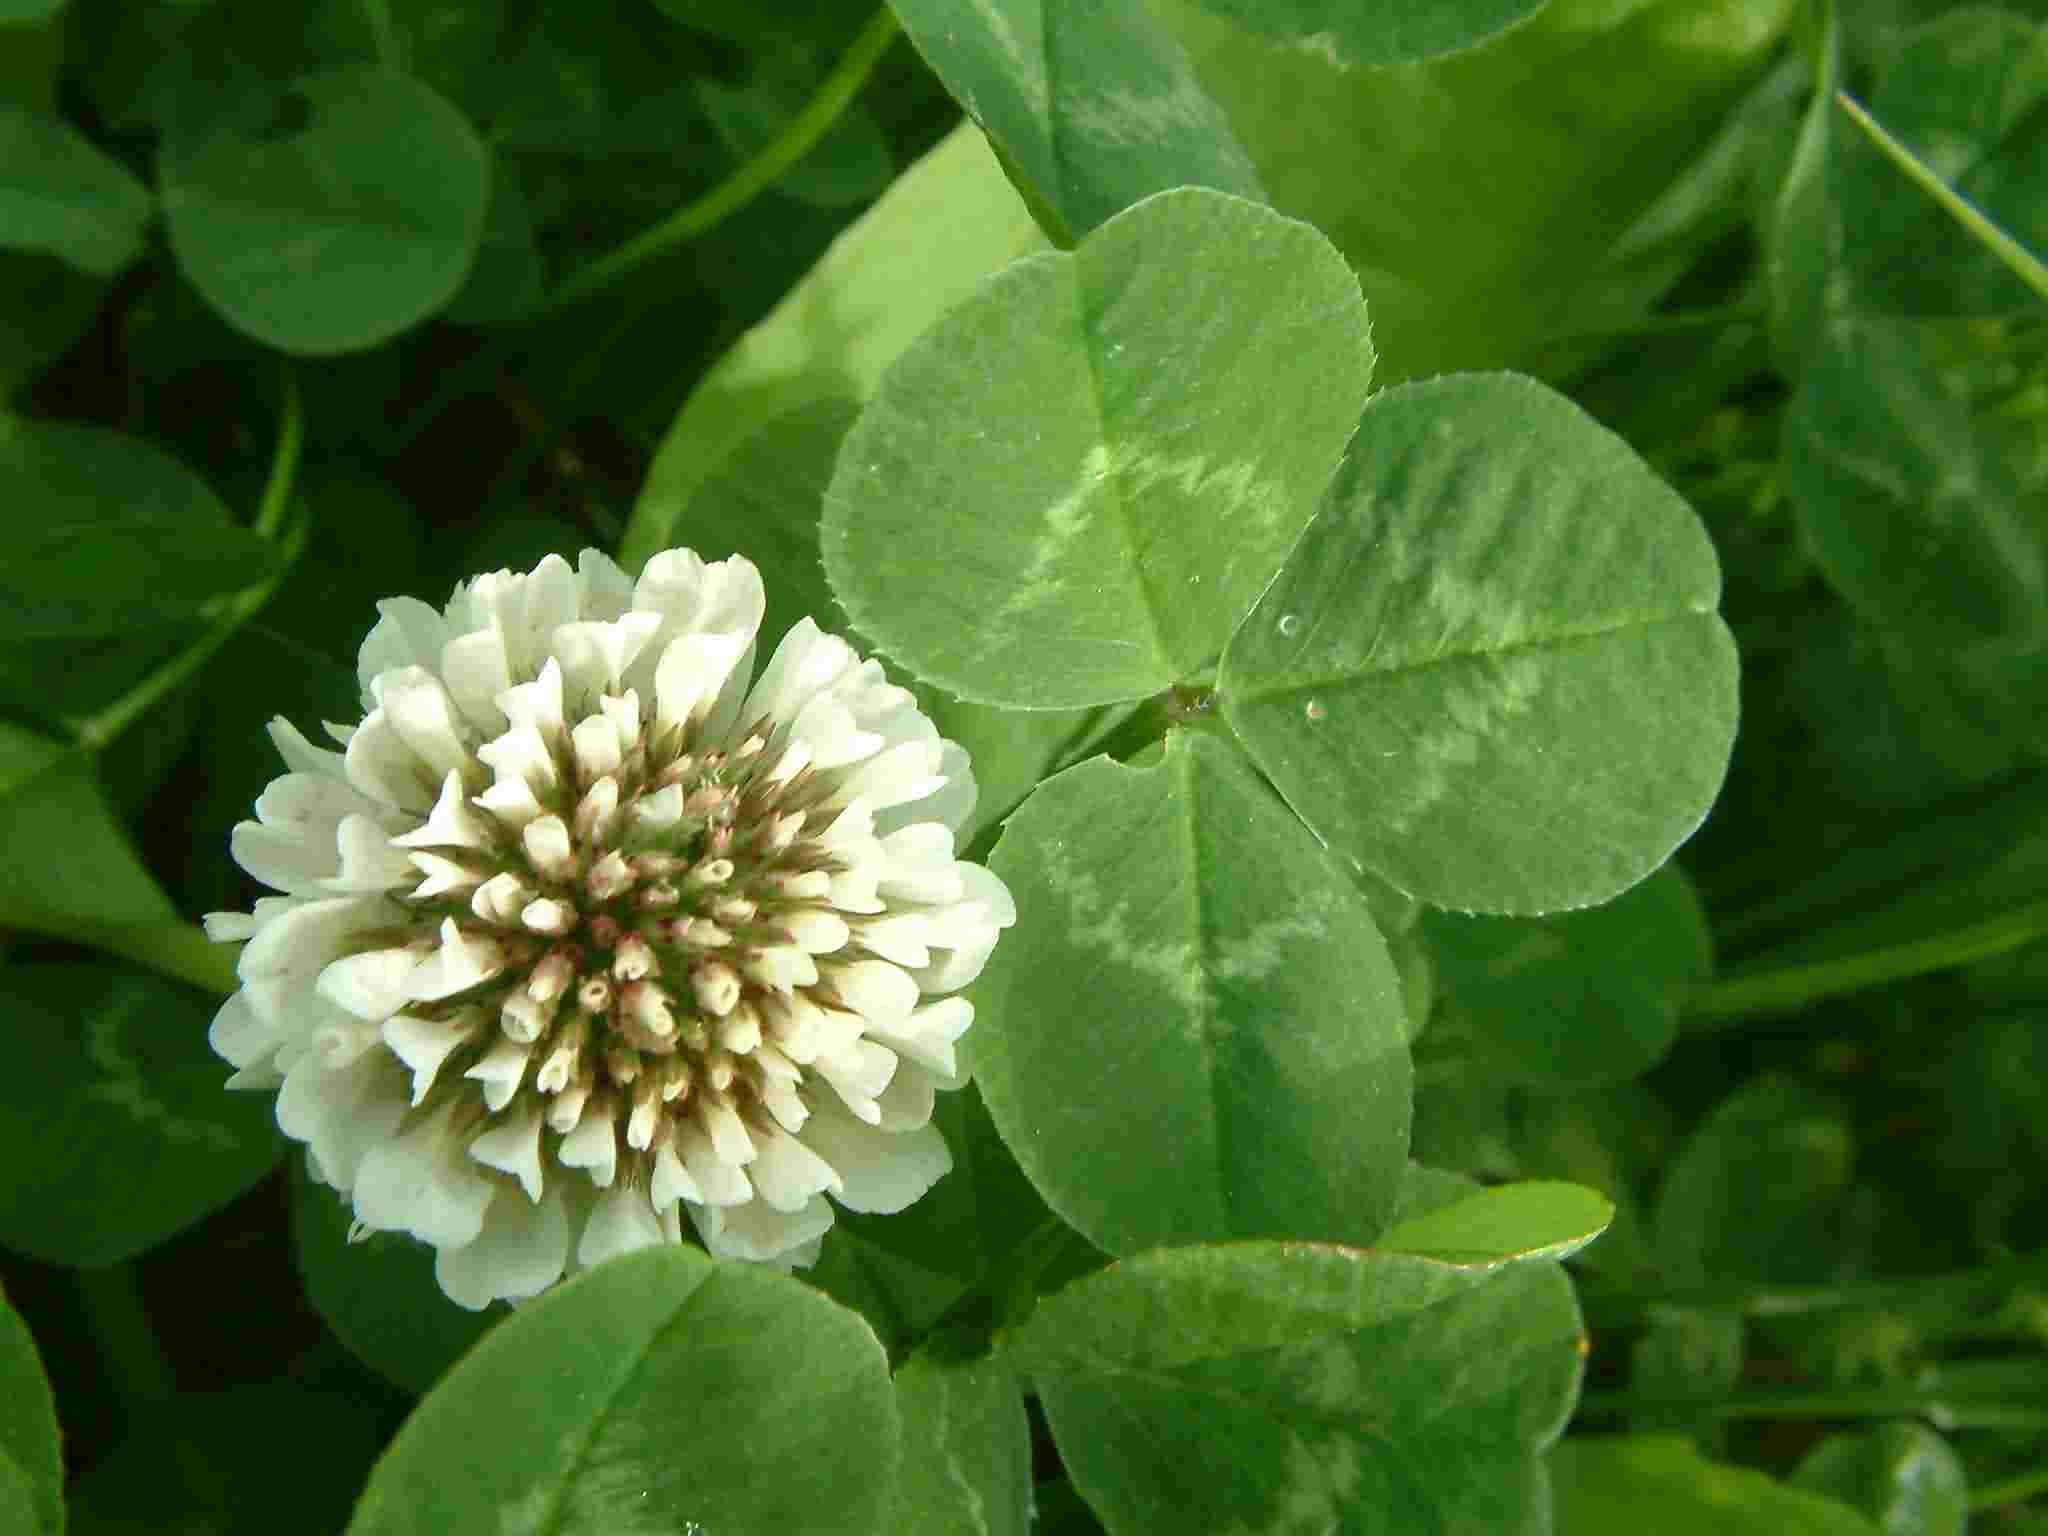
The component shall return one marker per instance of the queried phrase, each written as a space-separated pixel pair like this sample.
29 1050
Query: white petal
238 1036
874 989
536 706
760 1234
592 1145
901 938
303 937
476 672
299 754
693 672
421 1181
603 591
805 662
520 756
927 1037
920 864
723 1183
881 1171
895 777
827 727
452 824
384 767
728 1134
341 1112
463 961
512 1145
229 927
595 654
500 899
369 859
623 1222
787 1173
953 805
671 1181
858 1074
995 910
424 1044
520 1252
816 931
503 1065
371 985
442 876
425 718
908 1101
285 858
409 634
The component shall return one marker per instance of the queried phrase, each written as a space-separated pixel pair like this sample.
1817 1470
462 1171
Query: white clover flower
581 931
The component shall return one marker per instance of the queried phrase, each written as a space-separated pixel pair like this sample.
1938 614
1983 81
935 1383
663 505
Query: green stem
126 1340
1788 989
1869 1403
1954 1290
2013 1490
796 140
690 222
96 732
178 950
2020 261
1016 1290
1676 323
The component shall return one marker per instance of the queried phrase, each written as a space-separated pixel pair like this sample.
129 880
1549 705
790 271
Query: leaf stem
1788 989
798 136
2013 1490
100 730
2020 261
121 1327
1937 1407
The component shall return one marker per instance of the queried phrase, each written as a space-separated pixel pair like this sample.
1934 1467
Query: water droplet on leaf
1290 624
1315 710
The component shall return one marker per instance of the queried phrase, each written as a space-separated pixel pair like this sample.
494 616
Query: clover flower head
586 927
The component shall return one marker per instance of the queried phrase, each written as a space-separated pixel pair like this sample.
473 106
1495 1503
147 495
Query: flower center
644 943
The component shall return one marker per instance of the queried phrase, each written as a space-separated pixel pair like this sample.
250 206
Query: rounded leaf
1270 1387
1069 489
113 1123
338 235
61 194
1581 997
659 1392
1194 1032
1491 673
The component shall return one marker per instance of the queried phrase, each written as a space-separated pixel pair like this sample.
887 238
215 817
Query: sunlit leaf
1071 487
339 234
1492 673
658 1391
1185 957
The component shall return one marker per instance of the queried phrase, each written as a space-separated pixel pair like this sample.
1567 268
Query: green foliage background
1325 461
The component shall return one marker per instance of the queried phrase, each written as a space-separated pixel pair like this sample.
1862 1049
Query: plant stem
181 951
2020 261
1867 1403
1675 323
2013 1490
121 1327
1956 1289
796 140
690 222
1788 989
99 731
